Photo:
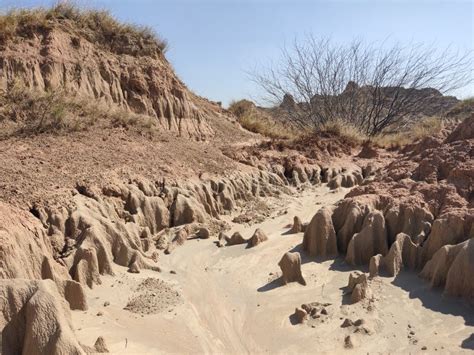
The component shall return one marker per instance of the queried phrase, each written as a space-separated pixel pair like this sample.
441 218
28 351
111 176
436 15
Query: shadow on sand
293 319
271 285
468 343
432 298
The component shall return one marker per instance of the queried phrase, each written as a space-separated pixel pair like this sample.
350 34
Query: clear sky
213 43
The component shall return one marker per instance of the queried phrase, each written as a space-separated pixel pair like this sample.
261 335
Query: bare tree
371 87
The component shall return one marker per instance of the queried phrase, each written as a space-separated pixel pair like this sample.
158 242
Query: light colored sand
231 305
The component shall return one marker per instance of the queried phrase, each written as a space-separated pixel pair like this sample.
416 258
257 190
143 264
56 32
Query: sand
230 300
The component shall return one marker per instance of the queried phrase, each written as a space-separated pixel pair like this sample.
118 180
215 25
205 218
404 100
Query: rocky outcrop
290 265
371 240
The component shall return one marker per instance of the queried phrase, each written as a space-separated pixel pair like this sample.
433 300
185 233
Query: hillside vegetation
272 123
96 26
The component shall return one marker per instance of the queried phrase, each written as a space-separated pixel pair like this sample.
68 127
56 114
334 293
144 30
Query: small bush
96 26
255 120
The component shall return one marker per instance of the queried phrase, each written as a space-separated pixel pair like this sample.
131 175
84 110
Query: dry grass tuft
343 130
97 26
426 127
462 110
255 120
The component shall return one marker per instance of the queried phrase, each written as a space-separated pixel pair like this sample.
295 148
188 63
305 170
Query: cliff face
61 58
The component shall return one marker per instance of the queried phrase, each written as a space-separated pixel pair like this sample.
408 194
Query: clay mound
35 319
290 265
358 287
26 253
100 346
402 254
186 210
257 238
453 267
349 178
371 240
463 131
297 226
235 239
320 238
368 151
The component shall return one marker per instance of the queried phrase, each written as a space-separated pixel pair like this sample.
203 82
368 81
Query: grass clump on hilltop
255 120
96 26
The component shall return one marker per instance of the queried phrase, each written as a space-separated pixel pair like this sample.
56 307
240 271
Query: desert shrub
373 86
33 112
27 112
130 120
256 120
97 26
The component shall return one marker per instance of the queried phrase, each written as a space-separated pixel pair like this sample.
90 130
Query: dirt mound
153 296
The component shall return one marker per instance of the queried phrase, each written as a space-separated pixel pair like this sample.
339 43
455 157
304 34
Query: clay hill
136 216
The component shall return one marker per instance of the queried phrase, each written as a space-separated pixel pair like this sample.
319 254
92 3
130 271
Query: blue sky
213 43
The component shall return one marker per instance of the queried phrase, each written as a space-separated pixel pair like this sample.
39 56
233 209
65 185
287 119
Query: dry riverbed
230 300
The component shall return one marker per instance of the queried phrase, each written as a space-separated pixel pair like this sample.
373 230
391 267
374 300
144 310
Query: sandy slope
230 303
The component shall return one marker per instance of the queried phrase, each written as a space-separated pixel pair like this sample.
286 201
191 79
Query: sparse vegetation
255 120
344 130
463 109
97 26
26 112
426 127
372 87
